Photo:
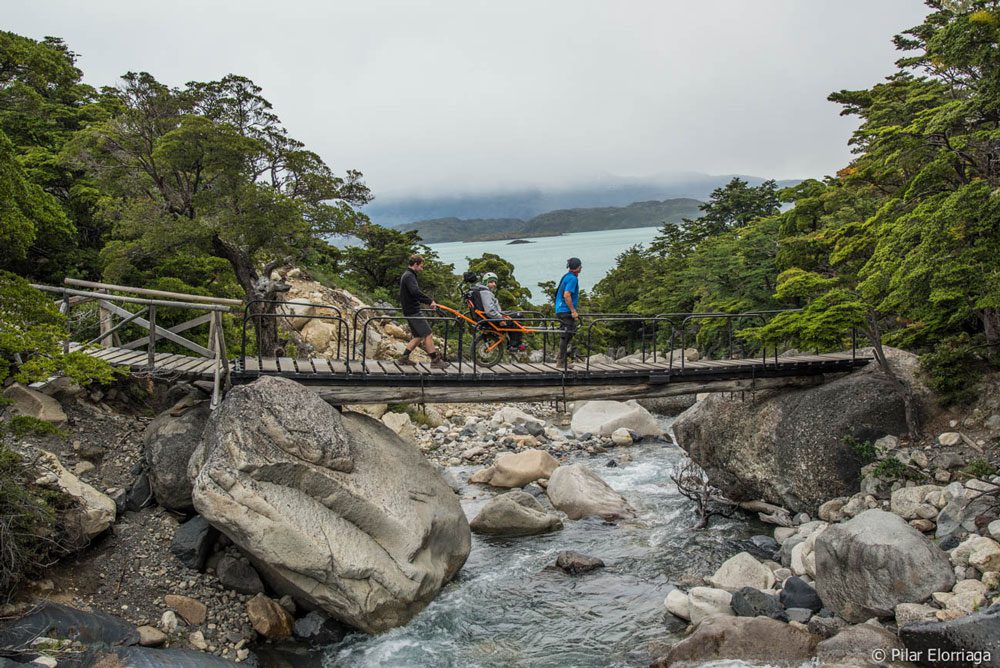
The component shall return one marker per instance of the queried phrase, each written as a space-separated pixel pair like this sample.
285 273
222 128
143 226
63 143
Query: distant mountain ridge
526 203
553 223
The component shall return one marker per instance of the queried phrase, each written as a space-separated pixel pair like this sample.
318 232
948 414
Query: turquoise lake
545 258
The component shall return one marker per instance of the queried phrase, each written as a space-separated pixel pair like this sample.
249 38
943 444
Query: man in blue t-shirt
567 297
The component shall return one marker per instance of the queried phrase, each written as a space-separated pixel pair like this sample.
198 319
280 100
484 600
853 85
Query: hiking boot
406 361
439 363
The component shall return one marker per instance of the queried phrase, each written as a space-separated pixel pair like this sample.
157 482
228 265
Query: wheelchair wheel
489 349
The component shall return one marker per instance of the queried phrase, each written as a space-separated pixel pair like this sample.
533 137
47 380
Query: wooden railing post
151 346
105 319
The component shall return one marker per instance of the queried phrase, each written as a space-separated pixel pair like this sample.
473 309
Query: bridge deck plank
114 354
188 364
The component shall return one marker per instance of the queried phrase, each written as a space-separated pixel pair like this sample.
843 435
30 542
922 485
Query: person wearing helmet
491 309
567 297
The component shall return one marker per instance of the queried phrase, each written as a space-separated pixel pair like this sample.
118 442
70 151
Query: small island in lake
519 241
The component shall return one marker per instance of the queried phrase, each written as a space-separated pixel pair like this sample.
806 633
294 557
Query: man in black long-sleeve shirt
411 298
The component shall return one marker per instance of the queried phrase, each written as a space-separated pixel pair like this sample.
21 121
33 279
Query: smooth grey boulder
751 639
515 513
869 565
335 510
604 417
791 447
168 443
579 492
856 645
974 636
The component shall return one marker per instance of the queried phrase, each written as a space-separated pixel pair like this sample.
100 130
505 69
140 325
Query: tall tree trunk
874 335
260 293
990 318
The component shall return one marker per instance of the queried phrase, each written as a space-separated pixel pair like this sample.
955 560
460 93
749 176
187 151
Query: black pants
569 327
513 338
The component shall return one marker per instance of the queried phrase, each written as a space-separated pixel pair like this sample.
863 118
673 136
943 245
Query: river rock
92 513
750 602
401 424
706 602
867 566
168 443
790 446
31 403
910 613
751 639
855 645
268 618
604 417
908 501
239 576
521 468
575 563
511 415
191 610
677 604
621 437
579 492
742 570
797 593
970 637
317 629
334 509
193 542
516 513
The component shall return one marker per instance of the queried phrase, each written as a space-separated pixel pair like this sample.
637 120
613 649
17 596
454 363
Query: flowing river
507 606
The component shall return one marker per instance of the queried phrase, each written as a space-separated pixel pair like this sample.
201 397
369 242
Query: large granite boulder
869 565
168 443
579 492
756 639
791 446
604 417
335 510
515 513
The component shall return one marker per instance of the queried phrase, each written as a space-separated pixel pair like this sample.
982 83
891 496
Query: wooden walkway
378 381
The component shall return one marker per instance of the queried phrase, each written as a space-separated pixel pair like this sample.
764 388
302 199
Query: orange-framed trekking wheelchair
492 337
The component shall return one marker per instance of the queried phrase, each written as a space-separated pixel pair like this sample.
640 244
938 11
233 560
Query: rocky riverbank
178 582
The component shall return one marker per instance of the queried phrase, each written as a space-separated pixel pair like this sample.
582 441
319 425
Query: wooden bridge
353 378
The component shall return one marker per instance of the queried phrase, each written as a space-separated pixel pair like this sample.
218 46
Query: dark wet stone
140 494
575 563
193 542
750 602
239 576
318 629
59 621
797 593
978 632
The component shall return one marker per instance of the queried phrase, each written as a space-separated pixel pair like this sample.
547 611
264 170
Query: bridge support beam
441 393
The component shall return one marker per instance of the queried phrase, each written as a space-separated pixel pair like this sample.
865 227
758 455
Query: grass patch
979 468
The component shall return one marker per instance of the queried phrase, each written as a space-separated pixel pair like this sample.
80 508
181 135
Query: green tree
32 331
209 170
42 104
511 295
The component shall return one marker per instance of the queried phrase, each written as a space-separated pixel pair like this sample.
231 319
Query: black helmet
470 277
573 263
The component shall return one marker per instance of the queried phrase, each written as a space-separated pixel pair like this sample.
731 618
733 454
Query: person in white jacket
493 312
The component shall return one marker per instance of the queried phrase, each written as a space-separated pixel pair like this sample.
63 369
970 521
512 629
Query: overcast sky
433 97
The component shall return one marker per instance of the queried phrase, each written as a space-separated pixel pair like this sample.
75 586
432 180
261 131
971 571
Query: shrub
865 450
29 518
980 468
953 370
